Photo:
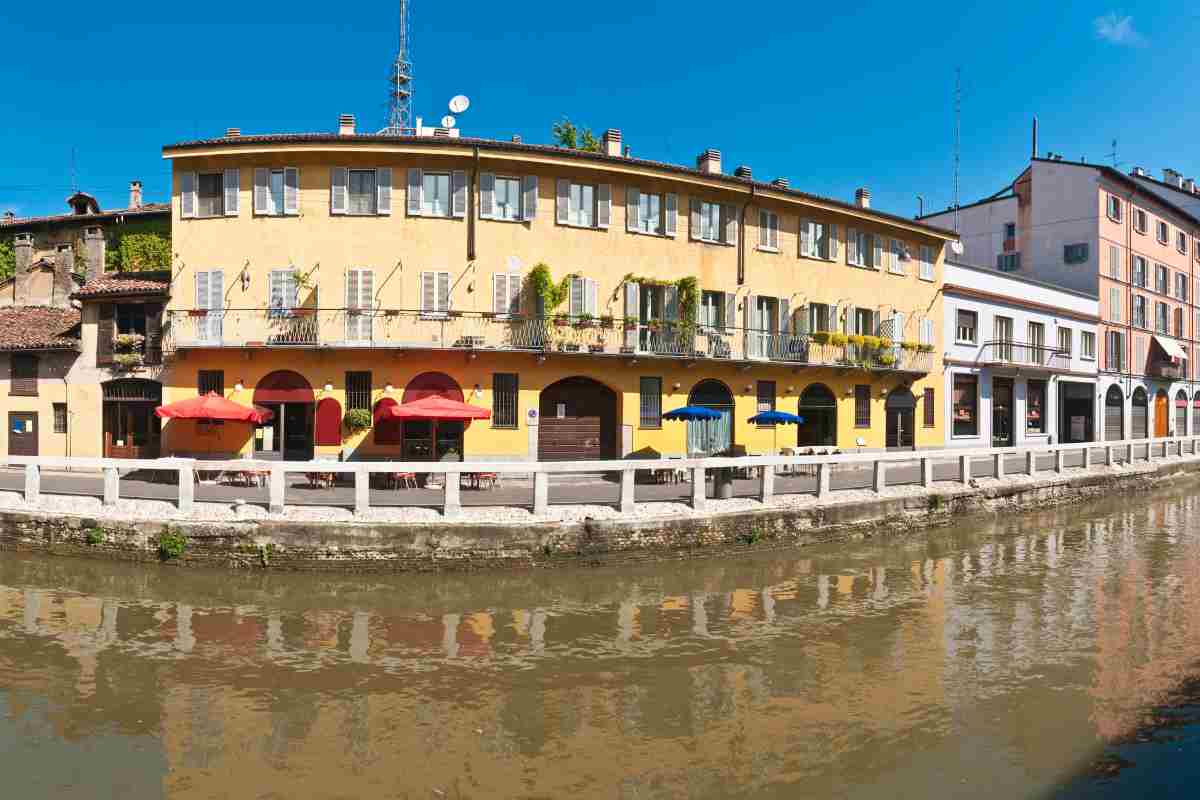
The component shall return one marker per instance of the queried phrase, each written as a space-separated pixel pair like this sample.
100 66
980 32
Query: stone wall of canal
465 546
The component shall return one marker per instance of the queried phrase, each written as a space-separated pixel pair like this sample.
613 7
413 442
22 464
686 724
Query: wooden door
22 433
569 439
900 429
1161 415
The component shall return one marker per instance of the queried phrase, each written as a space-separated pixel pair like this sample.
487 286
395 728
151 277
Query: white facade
1001 388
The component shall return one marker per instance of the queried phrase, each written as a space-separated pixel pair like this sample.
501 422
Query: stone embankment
316 539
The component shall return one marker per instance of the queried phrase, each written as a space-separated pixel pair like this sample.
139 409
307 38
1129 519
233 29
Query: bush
357 420
171 544
94 536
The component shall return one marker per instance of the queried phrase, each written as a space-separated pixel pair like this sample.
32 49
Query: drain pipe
741 243
471 208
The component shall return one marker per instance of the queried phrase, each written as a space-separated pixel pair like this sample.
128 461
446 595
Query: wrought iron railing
1022 354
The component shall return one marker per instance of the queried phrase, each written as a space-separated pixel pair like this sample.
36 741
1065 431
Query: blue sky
855 94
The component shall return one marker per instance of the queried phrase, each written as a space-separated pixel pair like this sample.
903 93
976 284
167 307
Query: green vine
136 246
538 283
687 290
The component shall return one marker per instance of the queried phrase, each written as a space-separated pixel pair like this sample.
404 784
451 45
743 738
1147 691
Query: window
210 194
210 380
582 302
581 205
927 259
929 411
766 397
1010 230
1178 323
712 222
1114 208
1140 221
925 334
435 293
822 317
1008 262
439 194
506 294
712 310
210 299
1087 345
862 406
1160 317
1114 304
130 318
361 192
1066 340
60 417
1075 253
1163 232
1139 311
284 292
818 240
358 390
1002 333
1139 272
649 213
897 255
968 321
1161 279
650 392
966 418
23 375
1181 242
768 230
864 249
276 192
504 400
1035 406
1114 262
1181 285
1037 338
435 194
505 197
1114 351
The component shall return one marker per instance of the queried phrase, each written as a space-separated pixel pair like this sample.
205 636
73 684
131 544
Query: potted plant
909 345
584 321
129 342
856 339
606 321
561 320
821 337
871 342
128 361
653 325
887 359
356 420
925 348
837 339
198 312
631 323
885 343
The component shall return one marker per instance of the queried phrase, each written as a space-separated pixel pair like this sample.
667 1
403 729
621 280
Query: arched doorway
711 435
1162 414
288 435
1139 415
1181 413
1114 415
423 439
818 409
131 429
900 408
577 421
1196 414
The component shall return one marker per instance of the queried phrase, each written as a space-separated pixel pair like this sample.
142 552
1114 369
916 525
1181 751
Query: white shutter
415 178
773 239
262 177
293 290
428 292
232 185
851 246
926 331
670 303
671 214
499 293
783 324
202 292
443 289
291 191
562 204
805 238
383 190
633 199
833 243
458 193
275 289
575 305
487 195
529 192
338 190
694 232
514 293
216 302
603 205
729 210
801 319
187 195
730 312
878 250
762 228
632 312
351 288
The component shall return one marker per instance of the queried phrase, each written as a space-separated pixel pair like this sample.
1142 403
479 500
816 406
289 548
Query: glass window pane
275 193
209 199
362 191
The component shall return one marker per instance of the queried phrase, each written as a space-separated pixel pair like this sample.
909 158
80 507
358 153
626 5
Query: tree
8 259
565 134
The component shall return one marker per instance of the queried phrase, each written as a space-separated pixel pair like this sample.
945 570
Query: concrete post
628 478
880 482
112 483
822 479
275 506
927 472
1058 460
699 488
1108 455
998 465
33 484
767 487
1030 462
362 491
1129 453
1149 449
964 469
1086 456
451 495
187 490
541 492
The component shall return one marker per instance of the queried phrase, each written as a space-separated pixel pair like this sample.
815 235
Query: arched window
329 422
387 427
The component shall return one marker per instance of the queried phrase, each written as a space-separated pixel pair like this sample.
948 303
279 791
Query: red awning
1180 402
283 386
434 407
212 406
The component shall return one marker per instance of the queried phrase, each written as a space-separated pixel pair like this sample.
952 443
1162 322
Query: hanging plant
821 337
907 345
128 361
128 342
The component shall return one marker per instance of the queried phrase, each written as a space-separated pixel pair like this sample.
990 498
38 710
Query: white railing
877 465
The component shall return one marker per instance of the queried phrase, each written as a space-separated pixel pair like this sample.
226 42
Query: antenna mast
957 137
400 95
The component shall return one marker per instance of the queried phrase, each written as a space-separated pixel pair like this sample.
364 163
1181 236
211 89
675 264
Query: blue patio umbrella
775 418
691 413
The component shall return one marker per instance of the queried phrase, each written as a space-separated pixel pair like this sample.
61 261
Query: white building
1020 360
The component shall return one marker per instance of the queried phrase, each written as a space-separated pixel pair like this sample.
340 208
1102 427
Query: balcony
477 332
1020 354
1165 370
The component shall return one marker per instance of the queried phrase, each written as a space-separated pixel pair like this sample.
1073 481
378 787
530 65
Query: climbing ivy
687 289
538 283
8 259
137 246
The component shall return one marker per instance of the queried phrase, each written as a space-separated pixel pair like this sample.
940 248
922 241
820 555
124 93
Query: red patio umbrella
435 407
213 406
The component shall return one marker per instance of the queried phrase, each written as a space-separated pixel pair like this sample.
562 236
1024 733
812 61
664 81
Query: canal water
999 658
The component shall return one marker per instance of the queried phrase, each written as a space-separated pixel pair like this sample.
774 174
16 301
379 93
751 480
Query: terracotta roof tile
85 219
111 284
39 328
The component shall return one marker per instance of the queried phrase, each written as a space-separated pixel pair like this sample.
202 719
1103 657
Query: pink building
1132 244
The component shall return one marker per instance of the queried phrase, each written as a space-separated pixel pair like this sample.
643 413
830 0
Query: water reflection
998 656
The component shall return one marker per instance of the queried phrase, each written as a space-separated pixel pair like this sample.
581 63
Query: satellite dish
957 247
459 103
448 121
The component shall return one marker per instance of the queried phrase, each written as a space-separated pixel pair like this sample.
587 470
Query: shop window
966 405
1035 407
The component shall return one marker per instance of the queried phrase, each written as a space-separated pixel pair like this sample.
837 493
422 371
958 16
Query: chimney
135 194
611 143
64 266
862 197
1189 185
516 138
782 183
1035 150
232 132
743 171
23 250
9 216
93 251
346 125
709 162
1138 172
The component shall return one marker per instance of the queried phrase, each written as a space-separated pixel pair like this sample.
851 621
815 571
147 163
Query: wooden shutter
104 334
633 199
458 193
671 214
232 185
762 228
383 190
339 190
262 177
805 238
529 191
833 243
291 191
415 178
562 203
694 219
443 291
603 205
730 212
187 195
487 195
153 333
428 292
632 312
928 408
